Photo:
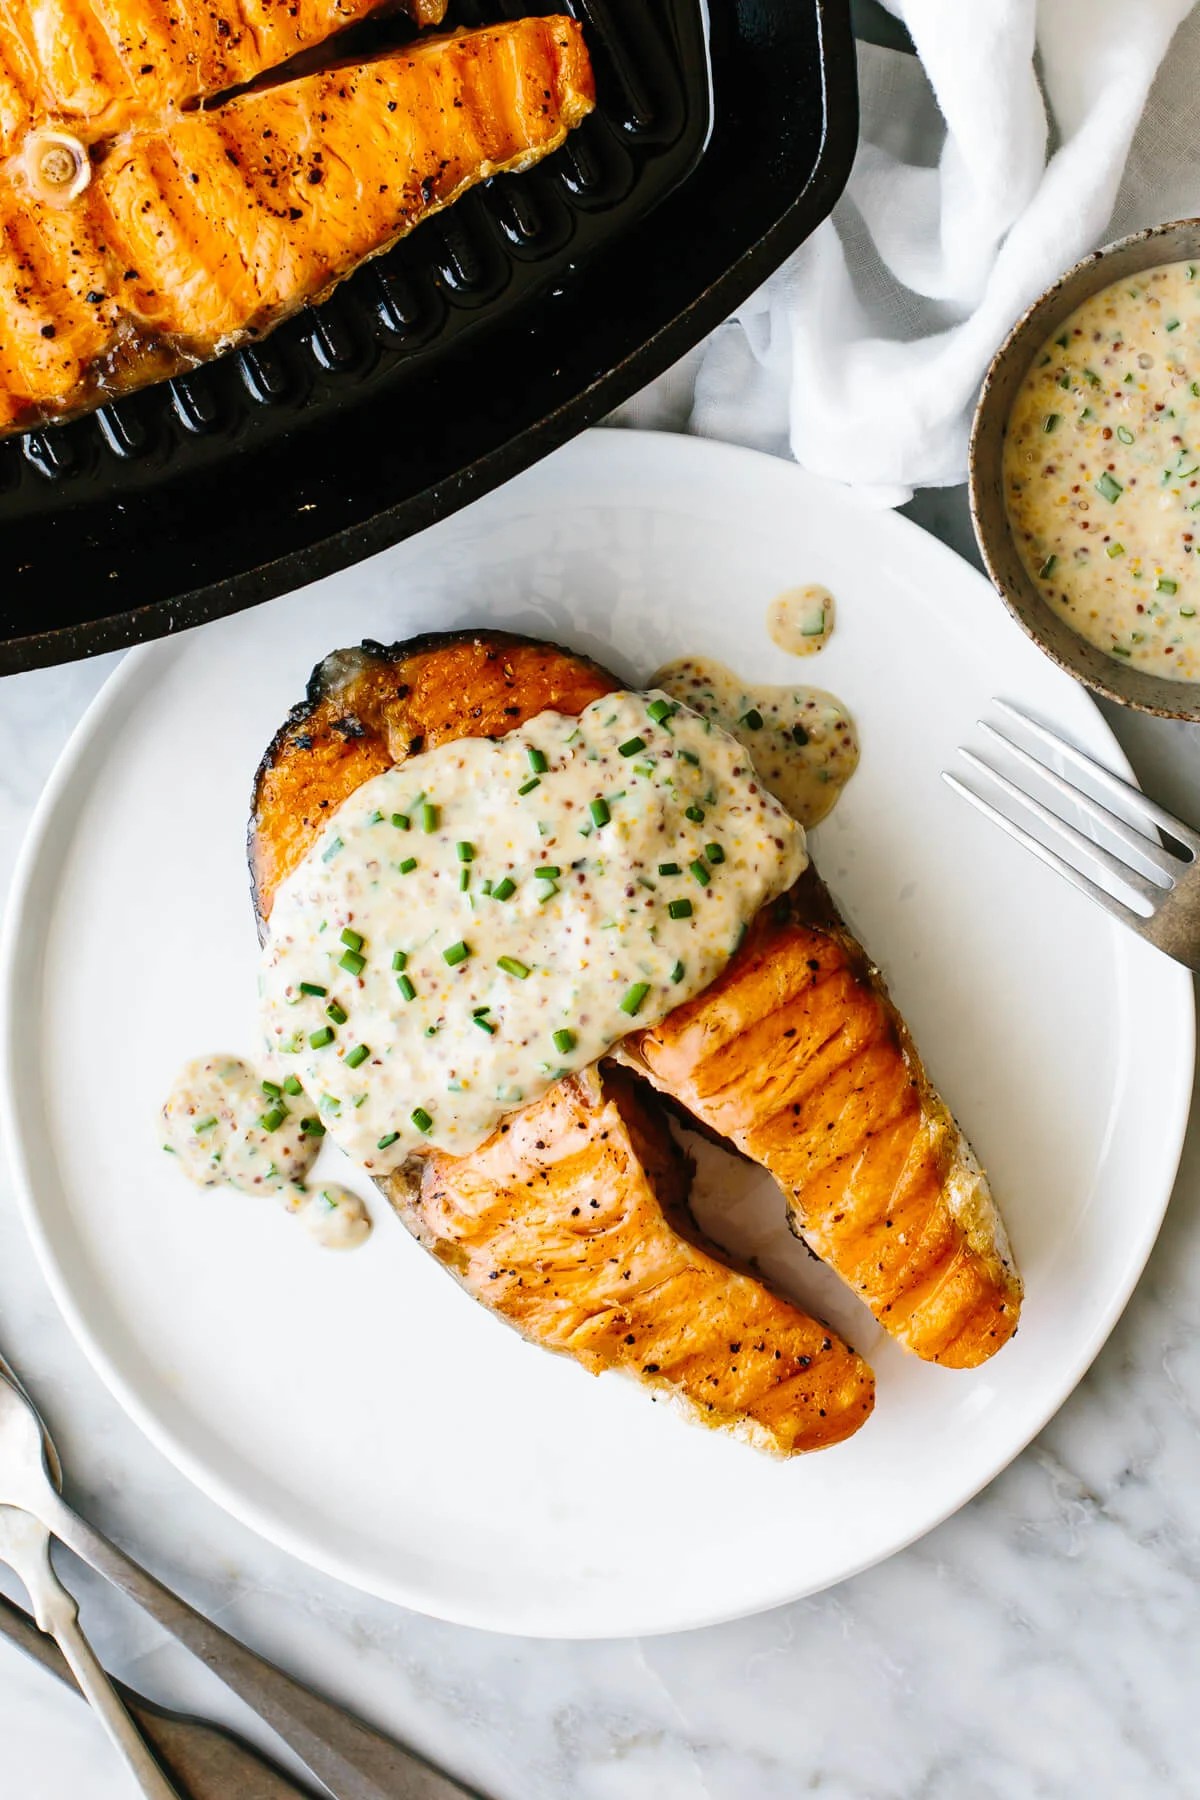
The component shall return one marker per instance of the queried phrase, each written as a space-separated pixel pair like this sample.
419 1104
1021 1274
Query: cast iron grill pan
479 343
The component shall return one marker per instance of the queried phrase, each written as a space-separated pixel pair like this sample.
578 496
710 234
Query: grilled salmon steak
97 67
797 1057
570 1222
794 1055
196 232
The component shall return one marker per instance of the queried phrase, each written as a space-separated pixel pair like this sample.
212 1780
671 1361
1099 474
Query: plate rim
610 445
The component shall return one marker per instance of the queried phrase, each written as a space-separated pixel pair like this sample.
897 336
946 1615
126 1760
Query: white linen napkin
1028 132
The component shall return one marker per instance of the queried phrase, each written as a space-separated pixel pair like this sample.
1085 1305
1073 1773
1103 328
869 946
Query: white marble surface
1045 1642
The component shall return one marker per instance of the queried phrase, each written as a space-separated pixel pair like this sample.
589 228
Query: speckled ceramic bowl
1177 242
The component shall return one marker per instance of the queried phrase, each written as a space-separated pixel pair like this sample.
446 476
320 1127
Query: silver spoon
354 1762
25 1547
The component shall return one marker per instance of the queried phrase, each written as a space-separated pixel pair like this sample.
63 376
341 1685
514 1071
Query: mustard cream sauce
802 740
492 913
801 620
229 1126
1102 470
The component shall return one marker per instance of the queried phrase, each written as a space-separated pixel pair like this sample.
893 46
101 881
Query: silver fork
1165 881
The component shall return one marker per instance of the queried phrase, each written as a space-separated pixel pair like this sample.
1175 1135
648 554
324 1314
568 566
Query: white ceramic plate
362 1411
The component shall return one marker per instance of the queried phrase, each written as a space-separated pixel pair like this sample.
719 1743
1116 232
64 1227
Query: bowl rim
1000 357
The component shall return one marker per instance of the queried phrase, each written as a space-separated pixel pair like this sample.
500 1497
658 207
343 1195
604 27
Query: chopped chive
1091 377
1064 381
631 746
407 990
700 872
331 852
695 814
799 736
457 953
643 768
352 939
564 1042
504 889
464 880
465 851
537 760
1062 341
401 821
376 818
1187 612
689 756
386 1142
550 872
677 974
1108 489
752 719
714 853
632 1003
292 1085
1120 650
310 987
669 869
1164 585
311 1127
548 892
1124 433
400 960
486 888
528 786
1048 567
336 1012
204 1124
271 1121
358 1055
408 865
511 966
1051 422
660 710
599 811
319 1039
352 962
1172 324
272 1089
1115 550
483 1024
421 1119
680 909
430 816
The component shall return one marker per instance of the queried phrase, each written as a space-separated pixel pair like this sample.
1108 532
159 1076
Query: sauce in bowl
1102 470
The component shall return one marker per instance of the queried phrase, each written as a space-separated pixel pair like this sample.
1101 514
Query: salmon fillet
571 1221
571 1224
796 1056
199 233
98 67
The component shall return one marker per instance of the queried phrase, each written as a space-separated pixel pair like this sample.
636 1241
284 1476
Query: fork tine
1147 849
1084 846
1104 778
1051 858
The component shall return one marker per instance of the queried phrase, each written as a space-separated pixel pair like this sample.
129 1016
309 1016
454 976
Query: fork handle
57 1614
354 1761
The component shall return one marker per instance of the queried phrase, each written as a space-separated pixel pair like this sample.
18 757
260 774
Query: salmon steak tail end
131 254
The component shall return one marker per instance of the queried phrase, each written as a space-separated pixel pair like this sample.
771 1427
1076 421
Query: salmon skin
200 233
97 67
570 1223
795 1055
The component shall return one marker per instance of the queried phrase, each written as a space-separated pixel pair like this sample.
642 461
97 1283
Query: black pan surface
474 347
